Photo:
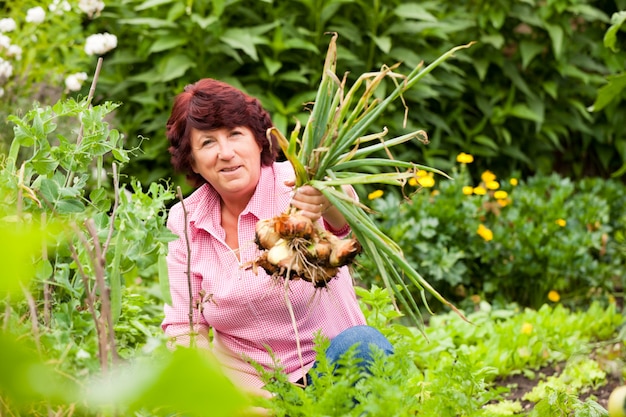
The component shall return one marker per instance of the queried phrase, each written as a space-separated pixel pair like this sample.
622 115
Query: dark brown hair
210 104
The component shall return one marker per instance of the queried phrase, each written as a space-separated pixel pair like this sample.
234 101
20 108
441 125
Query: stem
105 301
47 288
116 202
32 307
192 340
79 139
90 300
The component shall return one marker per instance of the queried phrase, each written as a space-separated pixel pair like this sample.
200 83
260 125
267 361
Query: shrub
511 242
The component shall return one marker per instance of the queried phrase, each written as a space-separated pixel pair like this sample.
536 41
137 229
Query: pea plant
83 245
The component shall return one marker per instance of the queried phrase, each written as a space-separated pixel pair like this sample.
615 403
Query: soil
520 385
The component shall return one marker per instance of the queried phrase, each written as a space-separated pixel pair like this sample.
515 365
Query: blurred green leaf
186 381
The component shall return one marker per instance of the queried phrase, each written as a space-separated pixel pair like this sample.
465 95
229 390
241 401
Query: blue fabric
364 337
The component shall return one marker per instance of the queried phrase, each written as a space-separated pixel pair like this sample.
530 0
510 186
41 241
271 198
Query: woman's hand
313 204
310 201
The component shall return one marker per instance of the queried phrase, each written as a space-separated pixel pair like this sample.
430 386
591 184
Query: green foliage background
518 99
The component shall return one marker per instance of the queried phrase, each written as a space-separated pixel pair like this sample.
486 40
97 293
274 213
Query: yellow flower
413 182
475 298
513 181
554 296
488 176
434 193
480 191
484 232
561 222
493 185
426 182
421 173
503 202
468 190
527 328
464 158
500 195
375 194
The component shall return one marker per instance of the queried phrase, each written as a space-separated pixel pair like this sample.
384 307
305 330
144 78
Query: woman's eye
207 142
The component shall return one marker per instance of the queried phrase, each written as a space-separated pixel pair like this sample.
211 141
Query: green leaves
187 381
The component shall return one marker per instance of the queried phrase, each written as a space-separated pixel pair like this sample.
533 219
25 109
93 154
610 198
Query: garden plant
514 214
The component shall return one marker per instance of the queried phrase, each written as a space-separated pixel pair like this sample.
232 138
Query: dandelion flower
561 222
464 158
74 82
100 43
7 25
503 202
488 176
554 296
35 15
375 194
484 232
513 182
480 191
427 181
527 328
468 190
493 185
500 195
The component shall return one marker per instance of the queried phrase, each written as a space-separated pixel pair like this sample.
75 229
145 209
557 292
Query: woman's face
228 158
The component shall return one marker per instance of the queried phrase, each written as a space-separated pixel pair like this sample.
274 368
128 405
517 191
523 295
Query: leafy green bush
519 99
511 242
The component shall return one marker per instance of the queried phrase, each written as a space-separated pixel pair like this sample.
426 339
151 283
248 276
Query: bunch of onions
297 248
332 152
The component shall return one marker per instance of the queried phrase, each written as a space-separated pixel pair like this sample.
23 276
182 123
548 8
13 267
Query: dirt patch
520 384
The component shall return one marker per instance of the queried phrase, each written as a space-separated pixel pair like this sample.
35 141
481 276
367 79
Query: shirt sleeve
176 322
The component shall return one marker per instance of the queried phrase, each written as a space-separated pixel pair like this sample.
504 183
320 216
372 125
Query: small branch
105 301
7 314
90 299
47 288
92 91
192 340
116 202
32 307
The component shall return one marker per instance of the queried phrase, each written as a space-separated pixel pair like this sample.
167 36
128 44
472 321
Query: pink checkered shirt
248 311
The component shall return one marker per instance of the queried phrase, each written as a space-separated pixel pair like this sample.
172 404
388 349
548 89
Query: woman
218 138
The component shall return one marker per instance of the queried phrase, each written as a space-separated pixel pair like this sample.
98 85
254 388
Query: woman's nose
226 150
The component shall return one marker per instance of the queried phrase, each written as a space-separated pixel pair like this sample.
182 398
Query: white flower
82 354
91 7
15 51
100 43
7 25
74 82
35 15
61 6
5 41
6 69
